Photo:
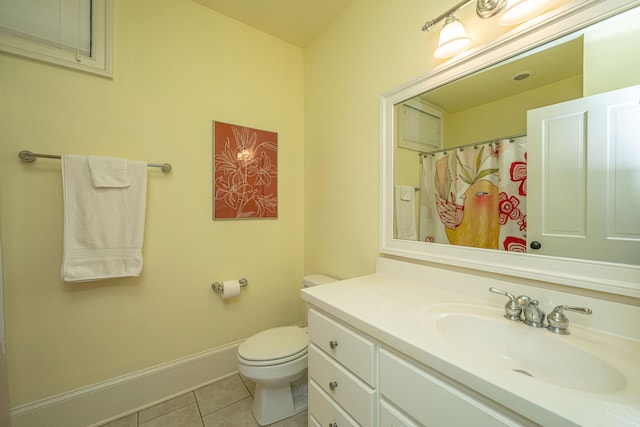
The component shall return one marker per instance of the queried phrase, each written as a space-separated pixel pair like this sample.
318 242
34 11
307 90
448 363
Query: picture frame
245 172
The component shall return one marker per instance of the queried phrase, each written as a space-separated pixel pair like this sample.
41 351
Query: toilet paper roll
230 289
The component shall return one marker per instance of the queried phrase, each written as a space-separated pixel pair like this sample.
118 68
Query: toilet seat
274 346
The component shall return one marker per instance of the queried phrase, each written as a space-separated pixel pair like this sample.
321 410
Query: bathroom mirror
563 32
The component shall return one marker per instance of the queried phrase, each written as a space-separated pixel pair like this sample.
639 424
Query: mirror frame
619 279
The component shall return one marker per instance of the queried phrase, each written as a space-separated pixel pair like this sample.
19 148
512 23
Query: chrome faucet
532 314
521 308
526 309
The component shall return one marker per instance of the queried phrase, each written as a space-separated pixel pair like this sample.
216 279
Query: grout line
198 405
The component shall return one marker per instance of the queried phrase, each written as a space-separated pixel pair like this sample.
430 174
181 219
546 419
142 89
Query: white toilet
276 360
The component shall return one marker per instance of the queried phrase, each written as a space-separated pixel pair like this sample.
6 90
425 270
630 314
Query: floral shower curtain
476 196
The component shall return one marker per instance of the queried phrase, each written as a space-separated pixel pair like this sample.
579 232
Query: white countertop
391 310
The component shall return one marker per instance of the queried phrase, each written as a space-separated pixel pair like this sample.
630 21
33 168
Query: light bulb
518 11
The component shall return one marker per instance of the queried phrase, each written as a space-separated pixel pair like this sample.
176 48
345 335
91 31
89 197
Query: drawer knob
333 344
333 424
333 385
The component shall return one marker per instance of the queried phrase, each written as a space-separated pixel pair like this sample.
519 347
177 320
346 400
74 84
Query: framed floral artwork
245 172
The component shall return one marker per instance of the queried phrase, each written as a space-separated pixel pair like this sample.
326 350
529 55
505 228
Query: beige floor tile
166 407
128 421
224 403
235 415
298 420
189 416
220 394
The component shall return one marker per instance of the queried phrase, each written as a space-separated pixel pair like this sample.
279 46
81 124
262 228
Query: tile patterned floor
225 403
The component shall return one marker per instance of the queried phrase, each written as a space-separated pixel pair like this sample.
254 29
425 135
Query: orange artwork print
245 172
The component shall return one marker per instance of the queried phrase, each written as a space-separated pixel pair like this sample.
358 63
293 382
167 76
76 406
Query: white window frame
100 61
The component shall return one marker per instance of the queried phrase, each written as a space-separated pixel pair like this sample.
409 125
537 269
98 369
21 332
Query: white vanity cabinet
342 374
431 398
390 416
410 353
354 381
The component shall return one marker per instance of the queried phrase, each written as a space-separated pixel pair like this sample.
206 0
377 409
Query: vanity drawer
324 411
392 417
431 400
312 422
345 345
358 399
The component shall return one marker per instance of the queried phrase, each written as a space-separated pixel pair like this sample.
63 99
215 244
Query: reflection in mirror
461 151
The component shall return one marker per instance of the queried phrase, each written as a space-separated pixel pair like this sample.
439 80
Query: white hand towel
406 192
405 213
108 172
103 227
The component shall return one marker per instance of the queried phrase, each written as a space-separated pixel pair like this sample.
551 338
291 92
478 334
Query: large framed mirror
577 54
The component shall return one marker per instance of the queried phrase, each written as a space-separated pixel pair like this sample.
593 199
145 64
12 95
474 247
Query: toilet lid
273 344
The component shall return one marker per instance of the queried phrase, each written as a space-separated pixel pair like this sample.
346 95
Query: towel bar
28 156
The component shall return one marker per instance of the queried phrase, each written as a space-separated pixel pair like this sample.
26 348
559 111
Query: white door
583 178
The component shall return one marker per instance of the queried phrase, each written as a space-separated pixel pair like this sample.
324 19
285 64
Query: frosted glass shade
518 11
453 39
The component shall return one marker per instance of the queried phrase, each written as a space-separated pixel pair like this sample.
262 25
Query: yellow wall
347 68
178 66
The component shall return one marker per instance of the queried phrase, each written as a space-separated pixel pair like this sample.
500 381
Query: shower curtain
476 196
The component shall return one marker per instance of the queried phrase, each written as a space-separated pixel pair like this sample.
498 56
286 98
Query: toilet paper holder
217 286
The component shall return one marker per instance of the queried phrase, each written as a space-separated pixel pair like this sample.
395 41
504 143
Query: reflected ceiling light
522 75
244 155
453 39
518 11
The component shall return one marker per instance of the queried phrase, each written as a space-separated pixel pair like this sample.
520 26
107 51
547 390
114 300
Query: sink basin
482 332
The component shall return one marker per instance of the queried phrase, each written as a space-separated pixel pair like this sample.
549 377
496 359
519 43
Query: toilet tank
316 279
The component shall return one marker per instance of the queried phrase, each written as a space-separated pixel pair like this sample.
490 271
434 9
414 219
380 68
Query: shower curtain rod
28 156
474 144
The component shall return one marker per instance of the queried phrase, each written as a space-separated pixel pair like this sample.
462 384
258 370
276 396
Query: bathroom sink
482 333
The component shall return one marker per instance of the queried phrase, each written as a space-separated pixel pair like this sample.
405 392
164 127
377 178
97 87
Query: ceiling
545 66
294 21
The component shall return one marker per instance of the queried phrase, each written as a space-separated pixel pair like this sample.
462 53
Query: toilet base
274 403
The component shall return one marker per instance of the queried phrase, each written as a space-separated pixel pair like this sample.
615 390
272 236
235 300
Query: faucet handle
558 322
511 309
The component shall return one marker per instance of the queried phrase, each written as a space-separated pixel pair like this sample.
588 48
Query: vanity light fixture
518 11
453 37
489 8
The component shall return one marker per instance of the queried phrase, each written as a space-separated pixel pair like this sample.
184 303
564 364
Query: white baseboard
120 396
